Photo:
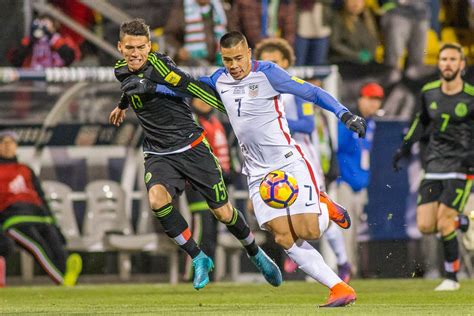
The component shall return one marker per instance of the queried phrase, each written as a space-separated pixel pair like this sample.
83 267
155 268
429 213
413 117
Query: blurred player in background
446 117
251 93
301 122
177 151
25 216
203 223
353 155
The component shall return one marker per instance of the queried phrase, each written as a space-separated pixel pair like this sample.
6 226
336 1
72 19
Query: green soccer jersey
448 123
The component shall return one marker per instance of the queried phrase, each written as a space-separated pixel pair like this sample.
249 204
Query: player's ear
119 46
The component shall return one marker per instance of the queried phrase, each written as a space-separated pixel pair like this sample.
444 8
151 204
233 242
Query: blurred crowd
399 34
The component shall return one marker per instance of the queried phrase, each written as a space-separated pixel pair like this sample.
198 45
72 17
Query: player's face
369 106
135 50
276 57
237 60
450 64
7 147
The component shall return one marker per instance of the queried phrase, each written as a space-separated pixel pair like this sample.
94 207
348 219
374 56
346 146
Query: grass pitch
375 297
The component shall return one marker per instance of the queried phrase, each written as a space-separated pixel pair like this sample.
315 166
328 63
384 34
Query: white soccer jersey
254 107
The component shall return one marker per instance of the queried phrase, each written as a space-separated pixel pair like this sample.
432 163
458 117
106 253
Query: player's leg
288 232
164 181
336 241
72 264
29 238
203 227
427 205
206 177
452 201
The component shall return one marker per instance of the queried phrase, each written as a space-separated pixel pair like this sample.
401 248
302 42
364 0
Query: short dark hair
454 46
135 27
232 39
273 45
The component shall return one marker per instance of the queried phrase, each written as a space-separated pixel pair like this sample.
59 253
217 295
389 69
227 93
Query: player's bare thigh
287 229
426 217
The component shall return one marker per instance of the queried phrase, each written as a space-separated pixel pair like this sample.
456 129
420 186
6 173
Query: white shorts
306 202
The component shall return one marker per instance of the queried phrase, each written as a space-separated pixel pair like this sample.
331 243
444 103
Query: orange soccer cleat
340 295
337 213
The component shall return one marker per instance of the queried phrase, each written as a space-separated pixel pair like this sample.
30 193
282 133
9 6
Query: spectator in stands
26 218
203 223
45 47
354 34
193 31
354 164
405 24
259 19
312 33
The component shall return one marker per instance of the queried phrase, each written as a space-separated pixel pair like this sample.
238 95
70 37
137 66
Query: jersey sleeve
418 124
166 73
305 121
284 83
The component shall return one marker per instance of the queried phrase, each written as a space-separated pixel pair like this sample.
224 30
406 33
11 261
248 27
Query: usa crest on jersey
253 90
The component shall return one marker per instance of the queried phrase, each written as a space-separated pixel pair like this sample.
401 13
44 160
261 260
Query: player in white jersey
251 93
301 122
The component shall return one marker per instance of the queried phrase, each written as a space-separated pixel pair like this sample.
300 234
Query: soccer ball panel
279 189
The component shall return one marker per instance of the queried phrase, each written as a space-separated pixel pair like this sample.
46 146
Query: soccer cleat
269 269
73 269
344 271
340 295
337 213
448 285
202 266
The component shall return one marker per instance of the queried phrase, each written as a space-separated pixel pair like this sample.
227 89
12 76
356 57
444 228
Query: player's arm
166 73
284 83
305 121
416 130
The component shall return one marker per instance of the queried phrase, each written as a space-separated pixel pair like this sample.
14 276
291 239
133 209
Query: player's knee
426 228
158 197
224 213
285 240
445 226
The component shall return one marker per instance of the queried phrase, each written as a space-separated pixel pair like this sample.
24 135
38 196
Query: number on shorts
221 192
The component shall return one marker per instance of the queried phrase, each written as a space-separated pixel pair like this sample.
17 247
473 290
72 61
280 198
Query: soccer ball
279 189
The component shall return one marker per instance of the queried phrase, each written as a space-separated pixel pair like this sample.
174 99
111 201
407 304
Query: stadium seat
59 198
107 220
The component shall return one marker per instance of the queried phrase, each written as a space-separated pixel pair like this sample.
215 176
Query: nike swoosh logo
142 80
224 91
309 204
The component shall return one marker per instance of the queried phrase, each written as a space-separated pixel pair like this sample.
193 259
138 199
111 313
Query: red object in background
3 272
80 13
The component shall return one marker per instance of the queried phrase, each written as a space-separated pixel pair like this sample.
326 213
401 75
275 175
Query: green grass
375 297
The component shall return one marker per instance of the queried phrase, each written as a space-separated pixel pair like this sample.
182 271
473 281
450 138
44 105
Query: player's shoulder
431 86
468 89
217 74
263 65
121 70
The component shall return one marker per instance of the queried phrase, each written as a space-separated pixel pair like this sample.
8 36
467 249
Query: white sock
312 263
323 218
336 240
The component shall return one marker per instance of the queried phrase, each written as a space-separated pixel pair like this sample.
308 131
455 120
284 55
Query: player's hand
400 154
136 85
354 123
117 116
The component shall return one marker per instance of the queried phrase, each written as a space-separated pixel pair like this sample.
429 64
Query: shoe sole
341 302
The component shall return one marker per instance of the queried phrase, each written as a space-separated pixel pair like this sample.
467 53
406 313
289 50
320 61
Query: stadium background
61 117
